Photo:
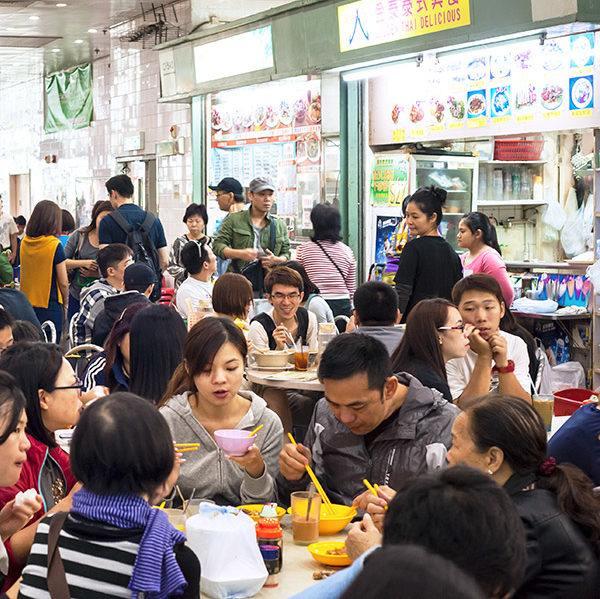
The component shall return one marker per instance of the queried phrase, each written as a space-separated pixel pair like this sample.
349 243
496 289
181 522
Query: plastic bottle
269 532
270 554
497 185
538 189
507 185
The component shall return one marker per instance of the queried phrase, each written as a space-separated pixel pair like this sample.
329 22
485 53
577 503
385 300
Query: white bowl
273 358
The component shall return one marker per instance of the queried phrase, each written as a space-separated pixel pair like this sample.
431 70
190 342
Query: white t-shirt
260 339
193 290
459 370
7 228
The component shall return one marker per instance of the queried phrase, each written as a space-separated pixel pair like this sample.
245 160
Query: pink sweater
490 262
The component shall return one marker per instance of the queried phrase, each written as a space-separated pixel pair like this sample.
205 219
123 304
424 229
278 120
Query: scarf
37 258
155 571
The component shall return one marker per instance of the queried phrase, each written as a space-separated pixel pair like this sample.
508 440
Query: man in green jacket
245 236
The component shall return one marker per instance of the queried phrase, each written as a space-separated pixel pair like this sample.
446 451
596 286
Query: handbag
57 579
254 270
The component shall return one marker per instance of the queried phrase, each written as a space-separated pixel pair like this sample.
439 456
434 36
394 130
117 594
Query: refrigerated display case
458 175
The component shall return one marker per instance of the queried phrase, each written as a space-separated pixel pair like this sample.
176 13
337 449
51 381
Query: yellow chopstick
376 487
315 480
255 430
369 486
187 449
186 445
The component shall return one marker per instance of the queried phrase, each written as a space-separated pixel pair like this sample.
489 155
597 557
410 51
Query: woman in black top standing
428 267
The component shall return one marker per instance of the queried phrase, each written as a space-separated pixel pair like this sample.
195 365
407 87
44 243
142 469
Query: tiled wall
126 88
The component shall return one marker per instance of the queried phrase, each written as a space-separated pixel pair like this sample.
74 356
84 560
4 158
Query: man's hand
351 324
499 349
293 461
15 517
248 255
362 536
375 506
280 335
270 259
252 461
479 345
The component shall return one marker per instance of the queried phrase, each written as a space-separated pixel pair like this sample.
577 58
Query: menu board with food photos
511 88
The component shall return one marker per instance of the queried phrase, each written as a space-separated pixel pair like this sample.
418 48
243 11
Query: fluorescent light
60 4
34 18
55 49
78 42
92 30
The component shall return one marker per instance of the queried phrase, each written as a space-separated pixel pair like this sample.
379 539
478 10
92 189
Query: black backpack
144 250
269 326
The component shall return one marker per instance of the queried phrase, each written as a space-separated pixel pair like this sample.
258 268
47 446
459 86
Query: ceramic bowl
233 441
273 358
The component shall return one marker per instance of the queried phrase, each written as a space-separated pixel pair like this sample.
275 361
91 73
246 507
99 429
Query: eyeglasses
458 327
78 385
281 296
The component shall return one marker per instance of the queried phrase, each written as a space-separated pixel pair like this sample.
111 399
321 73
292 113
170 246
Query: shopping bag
224 539
6 269
572 235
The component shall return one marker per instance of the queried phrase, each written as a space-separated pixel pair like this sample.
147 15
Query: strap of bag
120 220
269 325
272 229
57 579
148 222
332 262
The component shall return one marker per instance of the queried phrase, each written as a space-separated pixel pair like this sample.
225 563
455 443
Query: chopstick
376 487
369 486
176 445
187 449
255 431
315 480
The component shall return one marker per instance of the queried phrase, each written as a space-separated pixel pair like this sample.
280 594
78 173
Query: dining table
298 565
286 379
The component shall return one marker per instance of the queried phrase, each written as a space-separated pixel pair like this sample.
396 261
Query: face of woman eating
453 337
13 452
483 310
417 221
463 450
220 382
61 406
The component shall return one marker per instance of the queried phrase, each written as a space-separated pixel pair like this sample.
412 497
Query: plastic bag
572 234
569 375
593 274
224 539
588 222
554 216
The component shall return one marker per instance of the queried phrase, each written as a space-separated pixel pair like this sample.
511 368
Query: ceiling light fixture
55 49
61 5
34 18
78 42
92 30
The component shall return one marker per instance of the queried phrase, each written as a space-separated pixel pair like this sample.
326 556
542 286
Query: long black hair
12 404
156 340
308 286
478 221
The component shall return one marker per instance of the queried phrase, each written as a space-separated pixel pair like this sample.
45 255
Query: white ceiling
30 46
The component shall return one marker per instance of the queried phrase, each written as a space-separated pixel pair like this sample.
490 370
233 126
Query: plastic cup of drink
301 357
305 519
544 406
176 518
194 506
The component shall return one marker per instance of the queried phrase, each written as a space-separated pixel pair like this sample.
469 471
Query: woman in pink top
477 235
329 263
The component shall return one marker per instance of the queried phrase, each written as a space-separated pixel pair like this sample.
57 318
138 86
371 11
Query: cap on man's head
261 184
228 185
138 276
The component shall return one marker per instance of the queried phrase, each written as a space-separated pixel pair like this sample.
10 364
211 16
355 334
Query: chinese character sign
389 181
371 22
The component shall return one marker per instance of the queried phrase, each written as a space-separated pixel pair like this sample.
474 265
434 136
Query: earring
490 472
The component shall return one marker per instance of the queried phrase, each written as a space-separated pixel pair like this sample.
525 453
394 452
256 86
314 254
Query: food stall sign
389 181
371 22
236 55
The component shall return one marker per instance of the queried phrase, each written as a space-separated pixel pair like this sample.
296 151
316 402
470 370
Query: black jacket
560 562
114 306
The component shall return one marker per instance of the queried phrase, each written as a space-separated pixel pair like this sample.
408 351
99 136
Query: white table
260 377
557 422
298 565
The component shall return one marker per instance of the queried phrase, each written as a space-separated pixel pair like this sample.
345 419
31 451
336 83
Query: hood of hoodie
116 304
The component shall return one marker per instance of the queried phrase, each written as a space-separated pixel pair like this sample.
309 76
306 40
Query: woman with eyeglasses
435 333
196 219
53 401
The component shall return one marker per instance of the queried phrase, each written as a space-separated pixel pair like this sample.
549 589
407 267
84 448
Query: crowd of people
437 412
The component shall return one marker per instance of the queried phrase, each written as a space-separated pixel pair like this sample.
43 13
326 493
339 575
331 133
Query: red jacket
30 478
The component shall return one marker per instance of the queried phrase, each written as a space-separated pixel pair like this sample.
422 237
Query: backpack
144 250
269 325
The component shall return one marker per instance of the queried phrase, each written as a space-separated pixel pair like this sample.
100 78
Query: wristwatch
510 367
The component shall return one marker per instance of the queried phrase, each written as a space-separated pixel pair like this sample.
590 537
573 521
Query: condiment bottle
269 532
271 554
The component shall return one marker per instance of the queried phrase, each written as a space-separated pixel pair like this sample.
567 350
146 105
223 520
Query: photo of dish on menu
476 104
500 101
581 93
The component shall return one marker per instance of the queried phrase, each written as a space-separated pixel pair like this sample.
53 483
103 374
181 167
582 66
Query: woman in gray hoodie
204 396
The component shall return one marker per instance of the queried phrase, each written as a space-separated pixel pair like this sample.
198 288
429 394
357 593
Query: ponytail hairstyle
512 425
478 221
429 200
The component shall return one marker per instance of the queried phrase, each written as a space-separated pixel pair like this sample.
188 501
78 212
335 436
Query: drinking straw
187 505
369 486
315 480
255 430
311 493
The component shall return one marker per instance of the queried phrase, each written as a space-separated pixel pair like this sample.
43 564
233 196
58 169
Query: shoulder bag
57 579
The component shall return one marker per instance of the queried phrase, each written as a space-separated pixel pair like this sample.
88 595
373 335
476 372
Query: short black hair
463 515
376 303
122 184
122 445
68 222
12 404
308 286
111 255
6 320
34 366
326 222
23 330
353 353
193 256
418 572
20 220
196 210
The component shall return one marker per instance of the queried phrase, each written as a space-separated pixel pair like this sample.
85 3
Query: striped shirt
98 560
324 274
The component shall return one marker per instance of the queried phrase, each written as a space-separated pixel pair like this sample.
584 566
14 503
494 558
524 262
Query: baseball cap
228 185
138 276
261 184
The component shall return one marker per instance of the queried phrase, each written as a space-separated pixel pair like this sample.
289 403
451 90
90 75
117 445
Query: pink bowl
234 442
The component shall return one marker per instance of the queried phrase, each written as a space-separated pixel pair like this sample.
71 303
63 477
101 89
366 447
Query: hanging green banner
69 99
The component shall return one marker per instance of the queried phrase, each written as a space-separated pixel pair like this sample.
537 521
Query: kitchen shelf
513 162
512 203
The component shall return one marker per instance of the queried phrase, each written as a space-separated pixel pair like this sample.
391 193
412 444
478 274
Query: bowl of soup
273 358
